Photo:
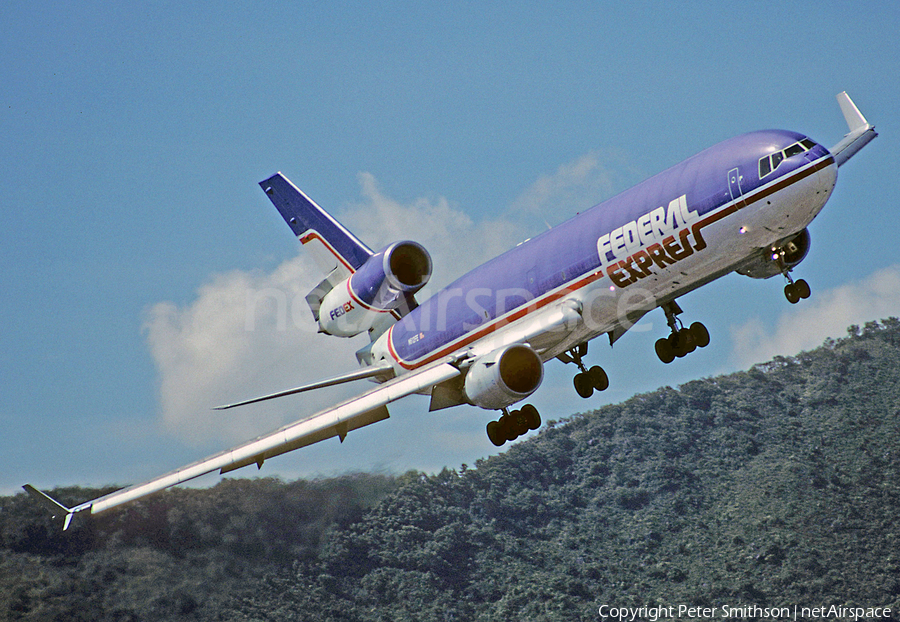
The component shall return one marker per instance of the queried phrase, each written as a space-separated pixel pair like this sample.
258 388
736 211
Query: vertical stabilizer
333 247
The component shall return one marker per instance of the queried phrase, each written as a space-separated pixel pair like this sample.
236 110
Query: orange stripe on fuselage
468 338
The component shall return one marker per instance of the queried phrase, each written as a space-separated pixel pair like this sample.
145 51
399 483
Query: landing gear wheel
508 424
532 415
791 293
700 334
664 350
690 343
598 377
682 343
802 288
519 422
583 385
496 433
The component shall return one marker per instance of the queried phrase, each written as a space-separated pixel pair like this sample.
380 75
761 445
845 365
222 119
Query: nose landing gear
682 341
788 257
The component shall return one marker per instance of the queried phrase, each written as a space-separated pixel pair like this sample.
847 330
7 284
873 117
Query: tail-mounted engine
383 284
779 259
504 377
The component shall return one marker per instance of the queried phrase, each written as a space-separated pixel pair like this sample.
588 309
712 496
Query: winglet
55 507
861 132
854 117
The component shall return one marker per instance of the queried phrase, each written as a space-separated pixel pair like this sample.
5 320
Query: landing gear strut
683 340
587 380
512 425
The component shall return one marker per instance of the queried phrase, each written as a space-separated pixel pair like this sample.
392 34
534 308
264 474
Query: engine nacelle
378 287
774 261
504 377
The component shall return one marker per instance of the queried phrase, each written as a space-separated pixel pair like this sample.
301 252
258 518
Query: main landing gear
512 425
587 380
794 291
683 340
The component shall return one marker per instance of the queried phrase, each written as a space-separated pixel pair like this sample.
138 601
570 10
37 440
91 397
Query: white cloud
243 335
826 314
574 187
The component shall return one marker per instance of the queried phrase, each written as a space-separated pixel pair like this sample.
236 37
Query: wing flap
341 430
349 415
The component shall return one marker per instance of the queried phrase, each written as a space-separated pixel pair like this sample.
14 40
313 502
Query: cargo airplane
740 206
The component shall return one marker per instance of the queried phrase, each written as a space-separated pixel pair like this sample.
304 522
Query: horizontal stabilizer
860 134
55 508
385 372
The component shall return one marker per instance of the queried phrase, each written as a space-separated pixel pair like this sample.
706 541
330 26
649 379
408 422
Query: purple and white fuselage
678 230
740 206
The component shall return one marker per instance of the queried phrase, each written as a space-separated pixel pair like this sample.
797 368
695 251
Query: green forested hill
778 486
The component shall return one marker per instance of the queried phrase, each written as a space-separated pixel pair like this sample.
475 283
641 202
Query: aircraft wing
351 414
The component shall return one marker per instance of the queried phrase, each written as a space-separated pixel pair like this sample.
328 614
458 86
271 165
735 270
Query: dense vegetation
775 486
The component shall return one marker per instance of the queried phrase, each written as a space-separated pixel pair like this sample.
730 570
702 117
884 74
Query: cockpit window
771 162
794 150
777 158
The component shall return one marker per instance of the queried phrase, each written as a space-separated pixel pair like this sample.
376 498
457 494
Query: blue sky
134 232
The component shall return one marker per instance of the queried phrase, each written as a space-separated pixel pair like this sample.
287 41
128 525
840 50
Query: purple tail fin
334 246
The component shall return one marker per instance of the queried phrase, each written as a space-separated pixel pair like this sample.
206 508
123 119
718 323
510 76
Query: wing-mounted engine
384 284
779 258
503 377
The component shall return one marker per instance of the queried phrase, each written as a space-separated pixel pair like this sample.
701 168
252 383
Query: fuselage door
734 183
